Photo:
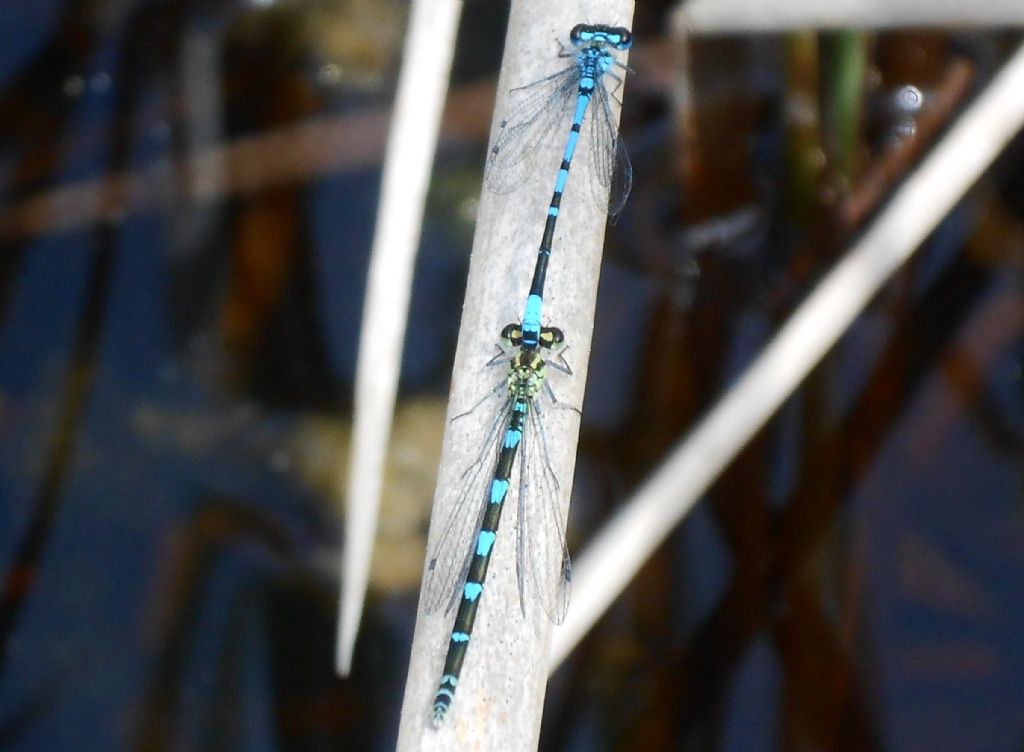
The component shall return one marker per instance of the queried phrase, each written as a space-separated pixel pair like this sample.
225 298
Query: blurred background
187 197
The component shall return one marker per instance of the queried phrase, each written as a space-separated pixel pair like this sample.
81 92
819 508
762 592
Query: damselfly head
599 35
551 338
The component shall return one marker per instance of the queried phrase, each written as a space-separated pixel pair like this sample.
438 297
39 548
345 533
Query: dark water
181 284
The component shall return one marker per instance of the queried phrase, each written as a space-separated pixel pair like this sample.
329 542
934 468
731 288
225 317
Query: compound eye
625 39
552 338
512 334
576 35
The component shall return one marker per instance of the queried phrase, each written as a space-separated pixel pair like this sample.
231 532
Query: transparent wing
450 556
610 169
528 135
542 554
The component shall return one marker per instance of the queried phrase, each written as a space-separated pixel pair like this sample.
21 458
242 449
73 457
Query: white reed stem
621 548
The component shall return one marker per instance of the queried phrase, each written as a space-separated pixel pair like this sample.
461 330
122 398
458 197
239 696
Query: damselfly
541 113
458 561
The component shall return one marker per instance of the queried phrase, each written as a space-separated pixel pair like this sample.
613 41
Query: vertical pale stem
500 694
410 156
